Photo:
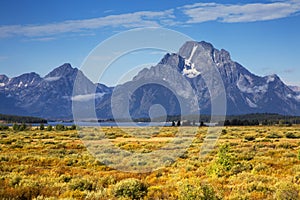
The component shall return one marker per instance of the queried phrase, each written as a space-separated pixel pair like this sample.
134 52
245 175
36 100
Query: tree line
21 119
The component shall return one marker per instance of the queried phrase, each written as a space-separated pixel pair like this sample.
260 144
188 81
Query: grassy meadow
259 162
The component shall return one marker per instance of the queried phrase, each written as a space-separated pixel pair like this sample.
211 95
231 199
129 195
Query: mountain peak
23 81
63 70
206 45
203 44
187 48
271 78
30 75
173 60
3 78
205 50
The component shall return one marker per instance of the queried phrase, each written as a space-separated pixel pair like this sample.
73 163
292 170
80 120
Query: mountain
49 97
187 74
187 82
245 92
295 88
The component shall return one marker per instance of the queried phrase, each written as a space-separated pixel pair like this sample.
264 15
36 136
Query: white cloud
41 39
158 52
289 71
3 58
53 78
129 20
195 13
230 13
108 11
87 97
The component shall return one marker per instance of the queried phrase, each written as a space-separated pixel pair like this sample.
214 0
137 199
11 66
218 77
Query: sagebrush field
260 162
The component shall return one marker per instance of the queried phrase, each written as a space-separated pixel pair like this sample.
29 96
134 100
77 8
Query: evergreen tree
173 123
16 127
23 127
49 128
42 127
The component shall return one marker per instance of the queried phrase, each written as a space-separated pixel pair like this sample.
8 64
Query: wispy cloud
3 58
183 16
41 39
289 71
108 11
230 13
158 52
129 20
53 78
87 97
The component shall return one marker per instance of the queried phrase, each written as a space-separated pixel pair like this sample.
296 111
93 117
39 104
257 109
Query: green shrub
260 167
274 135
224 157
208 192
223 163
81 185
3 127
285 145
130 188
4 159
240 167
65 178
16 127
291 135
73 127
224 132
60 127
22 127
107 180
101 193
15 181
42 127
249 138
192 189
49 128
286 191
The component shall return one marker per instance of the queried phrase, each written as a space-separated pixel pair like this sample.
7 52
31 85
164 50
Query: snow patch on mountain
20 84
189 69
252 90
297 97
271 78
250 103
53 78
190 72
249 78
295 88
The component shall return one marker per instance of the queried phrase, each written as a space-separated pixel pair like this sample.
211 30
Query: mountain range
181 83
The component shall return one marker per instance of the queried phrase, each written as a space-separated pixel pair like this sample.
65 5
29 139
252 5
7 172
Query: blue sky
263 36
